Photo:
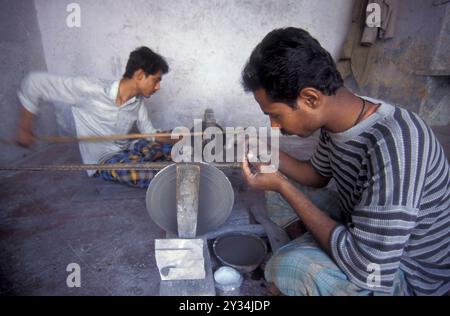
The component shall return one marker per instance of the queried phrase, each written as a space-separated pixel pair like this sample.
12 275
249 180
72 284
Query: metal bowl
240 250
216 199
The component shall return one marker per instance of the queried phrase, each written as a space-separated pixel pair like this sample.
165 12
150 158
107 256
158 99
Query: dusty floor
49 220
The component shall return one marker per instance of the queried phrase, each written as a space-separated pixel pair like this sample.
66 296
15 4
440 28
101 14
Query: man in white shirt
102 107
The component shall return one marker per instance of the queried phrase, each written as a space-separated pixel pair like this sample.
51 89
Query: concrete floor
51 219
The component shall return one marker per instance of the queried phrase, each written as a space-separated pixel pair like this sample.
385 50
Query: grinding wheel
216 199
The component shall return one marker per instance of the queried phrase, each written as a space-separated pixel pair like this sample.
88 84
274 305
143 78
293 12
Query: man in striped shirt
386 230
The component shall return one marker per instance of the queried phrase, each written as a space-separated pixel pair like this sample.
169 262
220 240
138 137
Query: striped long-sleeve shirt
394 184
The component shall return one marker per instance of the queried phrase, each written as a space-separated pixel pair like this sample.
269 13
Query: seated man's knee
299 271
288 270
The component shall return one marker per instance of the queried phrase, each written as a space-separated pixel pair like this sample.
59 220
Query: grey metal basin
240 250
216 199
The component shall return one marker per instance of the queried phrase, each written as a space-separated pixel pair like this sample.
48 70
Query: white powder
227 278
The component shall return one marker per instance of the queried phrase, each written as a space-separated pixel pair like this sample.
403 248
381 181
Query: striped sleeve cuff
342 258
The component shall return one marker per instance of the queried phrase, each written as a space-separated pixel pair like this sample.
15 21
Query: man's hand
264 181
168 139
165 140
25 137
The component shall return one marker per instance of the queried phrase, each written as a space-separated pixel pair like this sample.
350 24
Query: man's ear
139 74
311 97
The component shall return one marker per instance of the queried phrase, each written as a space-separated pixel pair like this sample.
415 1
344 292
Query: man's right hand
25 138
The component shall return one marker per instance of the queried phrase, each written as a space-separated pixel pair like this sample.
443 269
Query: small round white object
227 279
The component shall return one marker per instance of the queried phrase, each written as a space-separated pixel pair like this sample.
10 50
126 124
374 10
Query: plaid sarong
139 151
301 267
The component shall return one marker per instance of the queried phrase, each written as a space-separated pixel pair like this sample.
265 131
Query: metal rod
84 167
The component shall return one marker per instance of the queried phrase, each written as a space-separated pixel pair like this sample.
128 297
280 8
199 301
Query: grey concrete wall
20 52
412 69
206 43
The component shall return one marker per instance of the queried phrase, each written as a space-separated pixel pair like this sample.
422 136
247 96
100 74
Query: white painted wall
20 52
206 43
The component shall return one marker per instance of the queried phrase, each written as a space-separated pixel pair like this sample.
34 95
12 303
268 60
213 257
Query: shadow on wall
21 52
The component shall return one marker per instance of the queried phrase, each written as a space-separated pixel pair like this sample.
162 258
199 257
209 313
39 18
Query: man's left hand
272 181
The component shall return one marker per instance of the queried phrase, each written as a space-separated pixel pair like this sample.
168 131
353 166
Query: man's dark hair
288 60
147 60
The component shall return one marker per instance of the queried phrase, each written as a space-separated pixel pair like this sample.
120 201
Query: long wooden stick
68 139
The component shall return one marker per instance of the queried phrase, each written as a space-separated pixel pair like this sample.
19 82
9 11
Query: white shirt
94 110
